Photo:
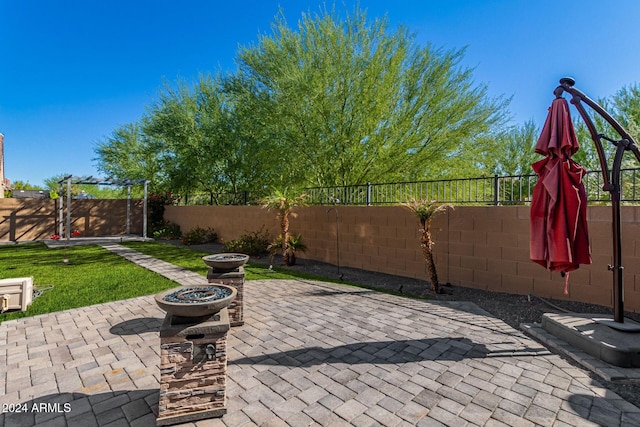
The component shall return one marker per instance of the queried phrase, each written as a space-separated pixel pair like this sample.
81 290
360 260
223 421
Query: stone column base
233 278
193 369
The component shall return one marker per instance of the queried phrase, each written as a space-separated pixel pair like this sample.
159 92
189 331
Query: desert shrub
167 231
251 243
198 236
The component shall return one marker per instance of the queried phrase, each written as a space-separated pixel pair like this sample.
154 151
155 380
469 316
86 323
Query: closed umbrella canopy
559 238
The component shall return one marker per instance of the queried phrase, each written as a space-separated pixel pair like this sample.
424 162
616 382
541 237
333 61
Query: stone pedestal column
193 368
233 278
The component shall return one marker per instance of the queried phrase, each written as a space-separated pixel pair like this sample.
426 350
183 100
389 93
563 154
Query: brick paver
309 352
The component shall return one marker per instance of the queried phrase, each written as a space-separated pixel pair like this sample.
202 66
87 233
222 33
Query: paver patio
309 353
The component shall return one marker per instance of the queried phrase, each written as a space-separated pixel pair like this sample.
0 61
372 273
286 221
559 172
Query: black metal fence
218 199
485 190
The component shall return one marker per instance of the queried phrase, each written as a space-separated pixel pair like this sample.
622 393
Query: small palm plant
284 204
425 211
295 245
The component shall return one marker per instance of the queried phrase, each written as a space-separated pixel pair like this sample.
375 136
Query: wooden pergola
69 180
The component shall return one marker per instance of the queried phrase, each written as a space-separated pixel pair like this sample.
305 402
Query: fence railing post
443 190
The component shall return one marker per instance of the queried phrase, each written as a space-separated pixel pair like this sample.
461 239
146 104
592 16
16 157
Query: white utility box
16 294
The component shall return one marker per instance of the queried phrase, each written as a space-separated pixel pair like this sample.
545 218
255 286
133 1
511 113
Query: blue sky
73 71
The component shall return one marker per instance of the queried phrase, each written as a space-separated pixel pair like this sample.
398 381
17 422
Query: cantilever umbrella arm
611 178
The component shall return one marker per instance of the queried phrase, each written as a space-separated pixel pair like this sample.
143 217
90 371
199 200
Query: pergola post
68 233
144 212
60 210
128 209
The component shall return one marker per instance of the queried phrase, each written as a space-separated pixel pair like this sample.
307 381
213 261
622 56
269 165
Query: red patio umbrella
559 238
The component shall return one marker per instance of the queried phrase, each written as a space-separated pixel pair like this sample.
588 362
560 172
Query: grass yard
95 275
92 276
192 260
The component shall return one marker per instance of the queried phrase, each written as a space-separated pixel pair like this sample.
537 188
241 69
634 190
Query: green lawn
92 276
192 260
95 275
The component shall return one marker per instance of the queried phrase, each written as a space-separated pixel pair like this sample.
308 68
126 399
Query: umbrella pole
611 181
617 268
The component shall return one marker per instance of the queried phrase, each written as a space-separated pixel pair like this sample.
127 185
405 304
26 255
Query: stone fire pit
193 353
196 301
225 261
227 269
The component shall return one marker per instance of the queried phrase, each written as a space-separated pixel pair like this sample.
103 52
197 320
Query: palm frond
426 210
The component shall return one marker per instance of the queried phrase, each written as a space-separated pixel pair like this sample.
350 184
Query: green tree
202 141
514 151
587 156
52 184
22 185
507 151
127 154
626 109
624 106
333 102
19 185
349 101
175 123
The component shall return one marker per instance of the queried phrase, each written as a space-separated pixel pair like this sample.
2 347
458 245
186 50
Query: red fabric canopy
559 238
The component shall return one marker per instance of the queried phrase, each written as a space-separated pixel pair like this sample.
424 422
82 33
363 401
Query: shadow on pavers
386 352
601 411
137 326
136 407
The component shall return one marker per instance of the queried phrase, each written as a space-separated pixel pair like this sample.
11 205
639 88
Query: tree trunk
431 268
427 244
284 226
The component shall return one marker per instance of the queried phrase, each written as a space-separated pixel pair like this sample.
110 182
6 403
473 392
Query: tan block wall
26 219
228 221
33 219
483 247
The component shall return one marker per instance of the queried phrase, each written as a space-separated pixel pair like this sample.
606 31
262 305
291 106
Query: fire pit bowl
225 261
196 301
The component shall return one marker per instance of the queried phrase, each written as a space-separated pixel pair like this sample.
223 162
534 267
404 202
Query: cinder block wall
35 219
383 239
228 221
483 247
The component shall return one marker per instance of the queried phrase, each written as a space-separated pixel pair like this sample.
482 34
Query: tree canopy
624 107
349 101
336 100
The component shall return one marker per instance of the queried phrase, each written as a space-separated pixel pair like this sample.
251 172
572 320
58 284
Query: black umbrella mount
611 178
